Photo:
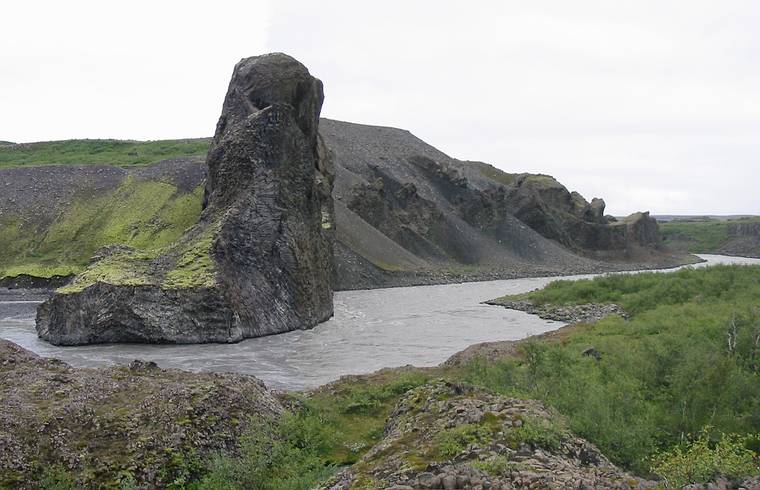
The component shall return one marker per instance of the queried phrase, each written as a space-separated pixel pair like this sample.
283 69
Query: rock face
743 238
405 213
259 260
106 424
549 208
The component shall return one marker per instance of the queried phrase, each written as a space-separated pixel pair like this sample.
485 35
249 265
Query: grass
121 153
687 360
638 293
141 214
699 236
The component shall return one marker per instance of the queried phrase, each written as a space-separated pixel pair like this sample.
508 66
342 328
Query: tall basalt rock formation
258 262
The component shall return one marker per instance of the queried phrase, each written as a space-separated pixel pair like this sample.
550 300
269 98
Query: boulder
258 262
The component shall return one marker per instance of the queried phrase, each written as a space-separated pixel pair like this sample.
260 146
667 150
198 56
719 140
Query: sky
650 105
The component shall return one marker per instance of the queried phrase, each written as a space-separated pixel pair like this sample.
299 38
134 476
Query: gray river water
421 325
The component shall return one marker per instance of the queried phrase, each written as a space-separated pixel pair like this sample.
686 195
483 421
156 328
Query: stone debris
498 456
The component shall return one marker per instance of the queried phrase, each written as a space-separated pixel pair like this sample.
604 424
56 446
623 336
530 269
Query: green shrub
57 478
702 460
686 359
545 433
451 442
370 399
498 465
287 455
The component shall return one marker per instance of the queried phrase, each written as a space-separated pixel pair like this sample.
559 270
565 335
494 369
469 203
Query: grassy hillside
146 215
698 236
103 152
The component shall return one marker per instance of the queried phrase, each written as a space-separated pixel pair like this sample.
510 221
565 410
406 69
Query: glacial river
421 325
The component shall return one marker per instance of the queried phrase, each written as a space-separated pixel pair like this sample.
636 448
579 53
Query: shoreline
424 278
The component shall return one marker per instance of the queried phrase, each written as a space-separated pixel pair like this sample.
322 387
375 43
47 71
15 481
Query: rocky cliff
743 239
257 262
426 211
404 213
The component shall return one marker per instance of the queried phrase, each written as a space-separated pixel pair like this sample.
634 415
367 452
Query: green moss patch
145 215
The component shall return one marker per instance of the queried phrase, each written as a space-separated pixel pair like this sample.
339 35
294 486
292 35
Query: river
371 329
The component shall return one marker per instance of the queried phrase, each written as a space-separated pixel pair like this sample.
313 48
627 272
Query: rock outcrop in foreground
112 425
450 436
258 262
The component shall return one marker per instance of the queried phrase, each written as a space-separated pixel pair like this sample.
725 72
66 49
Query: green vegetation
704 459
185 263
698 236
145 215
451 442
328 429
289 454
100 152
193 266
688 359
544 433
498 465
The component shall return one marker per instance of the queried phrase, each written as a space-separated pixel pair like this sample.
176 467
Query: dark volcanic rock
259 260
25 281
549 208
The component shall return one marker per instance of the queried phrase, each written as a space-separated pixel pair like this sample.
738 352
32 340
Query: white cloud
649 104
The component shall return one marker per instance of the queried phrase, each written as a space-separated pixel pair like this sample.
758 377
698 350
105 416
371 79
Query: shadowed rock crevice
258 262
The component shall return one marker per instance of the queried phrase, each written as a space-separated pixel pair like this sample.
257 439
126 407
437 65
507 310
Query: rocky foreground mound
258 262
449 436
113 425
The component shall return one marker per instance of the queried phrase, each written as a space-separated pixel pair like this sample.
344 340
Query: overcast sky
651 105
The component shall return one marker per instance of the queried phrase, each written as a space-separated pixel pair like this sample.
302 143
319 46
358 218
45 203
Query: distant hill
703 217
713 234
121 153
6 143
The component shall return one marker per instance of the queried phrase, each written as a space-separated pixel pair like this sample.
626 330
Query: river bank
372 329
